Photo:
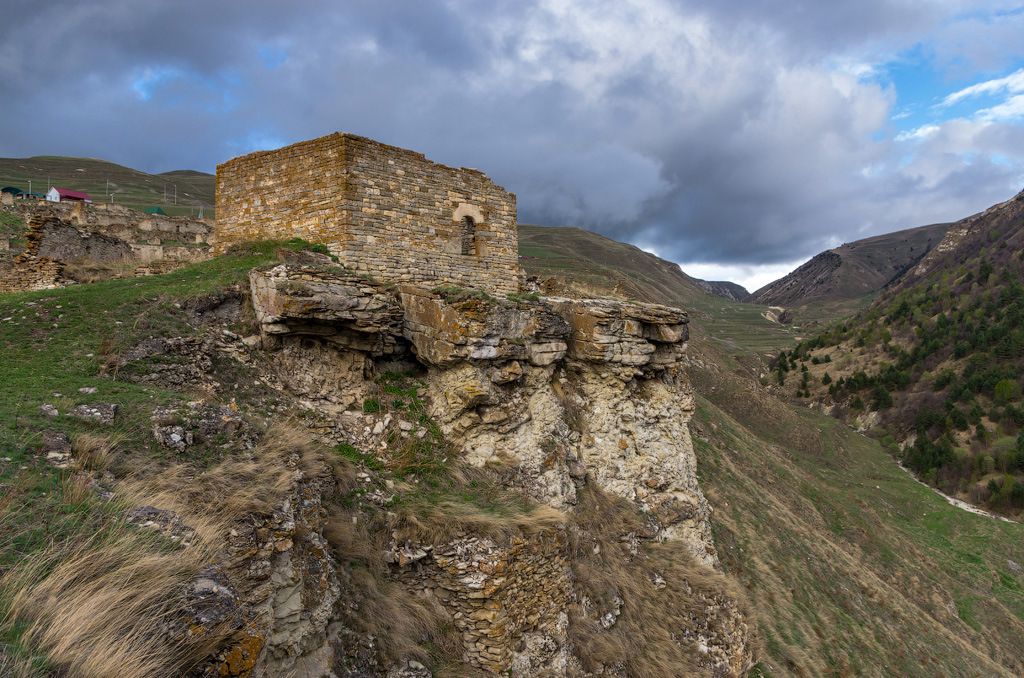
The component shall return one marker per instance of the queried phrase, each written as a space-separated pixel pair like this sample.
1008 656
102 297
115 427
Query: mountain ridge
852 270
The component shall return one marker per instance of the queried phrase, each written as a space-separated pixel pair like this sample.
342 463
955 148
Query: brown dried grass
94 452
649 637
103 604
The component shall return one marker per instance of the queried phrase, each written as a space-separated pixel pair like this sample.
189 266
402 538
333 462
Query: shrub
1006 390
880 398
520 297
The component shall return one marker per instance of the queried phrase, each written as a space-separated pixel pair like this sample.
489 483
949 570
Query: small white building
65 194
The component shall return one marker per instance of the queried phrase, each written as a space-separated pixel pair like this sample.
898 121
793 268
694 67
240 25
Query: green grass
853 566
55 342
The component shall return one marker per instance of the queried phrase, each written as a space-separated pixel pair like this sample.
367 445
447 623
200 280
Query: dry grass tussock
650 638
11 667
114 602
211 500
469 501
108 605
87 271
94 452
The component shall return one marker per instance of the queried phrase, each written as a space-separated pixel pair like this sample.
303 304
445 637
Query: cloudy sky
736 138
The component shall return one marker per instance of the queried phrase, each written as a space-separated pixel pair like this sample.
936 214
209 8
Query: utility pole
175 194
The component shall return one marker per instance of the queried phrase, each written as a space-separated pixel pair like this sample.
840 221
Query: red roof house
58 194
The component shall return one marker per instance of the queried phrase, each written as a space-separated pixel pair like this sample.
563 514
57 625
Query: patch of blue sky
174 86
147 80
922 88
272 56
257 140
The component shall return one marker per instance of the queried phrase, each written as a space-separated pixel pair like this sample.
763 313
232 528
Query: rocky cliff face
725 288
557 397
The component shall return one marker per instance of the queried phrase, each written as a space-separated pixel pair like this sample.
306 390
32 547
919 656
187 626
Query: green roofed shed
154 210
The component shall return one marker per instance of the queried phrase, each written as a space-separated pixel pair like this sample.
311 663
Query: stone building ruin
382 210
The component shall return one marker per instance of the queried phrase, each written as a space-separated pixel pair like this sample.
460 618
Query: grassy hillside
938 361
855 569
128 186
852 271
574 261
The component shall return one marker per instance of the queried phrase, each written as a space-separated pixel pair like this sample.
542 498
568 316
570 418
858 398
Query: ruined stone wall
149 237
30 272
60 240
383 210
407 218
293 192
496 592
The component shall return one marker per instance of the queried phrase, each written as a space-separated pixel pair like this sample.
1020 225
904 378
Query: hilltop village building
382 210
67 195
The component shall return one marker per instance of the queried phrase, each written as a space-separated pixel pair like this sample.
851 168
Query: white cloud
752 277
742 132
922 132
1010 84
1011 109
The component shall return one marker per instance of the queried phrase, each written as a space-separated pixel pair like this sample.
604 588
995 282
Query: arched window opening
468 235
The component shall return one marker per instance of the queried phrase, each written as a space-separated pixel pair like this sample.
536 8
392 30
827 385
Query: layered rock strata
552 393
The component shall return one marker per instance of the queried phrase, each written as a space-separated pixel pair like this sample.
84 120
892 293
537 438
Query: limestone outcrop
280 587
339 306
550 393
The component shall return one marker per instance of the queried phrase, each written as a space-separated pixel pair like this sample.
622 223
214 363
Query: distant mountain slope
574 262
852 270
724 288
127 186
938 361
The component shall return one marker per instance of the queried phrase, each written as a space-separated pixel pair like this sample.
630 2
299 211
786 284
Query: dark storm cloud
709 131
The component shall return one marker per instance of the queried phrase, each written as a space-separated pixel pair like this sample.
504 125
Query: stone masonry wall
30 272
383 210
70 231
293 192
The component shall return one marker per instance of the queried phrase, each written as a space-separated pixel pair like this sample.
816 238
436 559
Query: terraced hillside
107 181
